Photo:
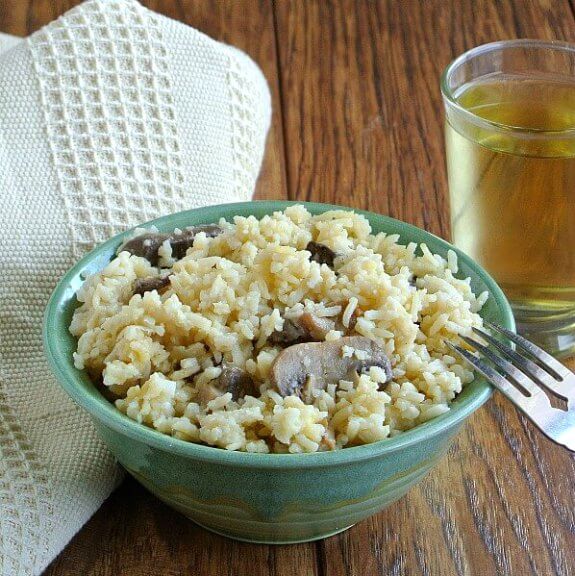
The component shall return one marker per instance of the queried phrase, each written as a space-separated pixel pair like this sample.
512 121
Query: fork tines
521 377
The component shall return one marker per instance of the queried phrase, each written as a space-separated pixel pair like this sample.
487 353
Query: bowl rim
104 412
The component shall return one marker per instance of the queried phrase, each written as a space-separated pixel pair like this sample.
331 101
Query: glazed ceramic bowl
272 498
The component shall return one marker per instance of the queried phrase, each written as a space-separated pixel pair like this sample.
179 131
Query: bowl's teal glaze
274 498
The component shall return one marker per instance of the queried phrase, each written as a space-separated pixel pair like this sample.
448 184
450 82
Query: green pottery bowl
271 498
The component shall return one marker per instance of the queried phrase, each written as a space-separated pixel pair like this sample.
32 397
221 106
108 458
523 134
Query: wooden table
358 121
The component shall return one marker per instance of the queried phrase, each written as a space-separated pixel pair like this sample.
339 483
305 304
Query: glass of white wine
510 143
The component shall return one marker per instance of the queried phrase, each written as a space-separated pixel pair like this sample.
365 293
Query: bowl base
275 542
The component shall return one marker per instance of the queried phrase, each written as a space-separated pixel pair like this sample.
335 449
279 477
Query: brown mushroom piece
142 285
291 333
147 245
321 253
237 381
181 242
324 363
316 326
305 328
232 379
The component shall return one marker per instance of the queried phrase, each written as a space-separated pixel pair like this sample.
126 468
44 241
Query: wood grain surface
358 121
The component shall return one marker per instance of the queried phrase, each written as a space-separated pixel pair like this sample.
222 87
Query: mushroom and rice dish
293 333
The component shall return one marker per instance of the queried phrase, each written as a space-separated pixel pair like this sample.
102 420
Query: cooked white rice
231 292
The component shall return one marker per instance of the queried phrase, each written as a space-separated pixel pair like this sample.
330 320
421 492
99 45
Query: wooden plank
22 17
363 113
363 127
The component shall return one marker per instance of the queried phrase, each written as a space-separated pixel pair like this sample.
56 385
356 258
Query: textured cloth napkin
109 116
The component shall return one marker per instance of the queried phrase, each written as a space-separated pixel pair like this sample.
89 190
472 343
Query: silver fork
523 380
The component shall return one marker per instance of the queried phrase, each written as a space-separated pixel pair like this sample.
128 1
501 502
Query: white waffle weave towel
109 116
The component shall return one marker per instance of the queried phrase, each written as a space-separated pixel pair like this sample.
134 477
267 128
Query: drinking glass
510 143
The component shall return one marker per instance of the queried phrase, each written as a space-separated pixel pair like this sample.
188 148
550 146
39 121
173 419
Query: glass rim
449 97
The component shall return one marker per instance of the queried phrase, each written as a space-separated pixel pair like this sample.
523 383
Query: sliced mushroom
306 328
142 285
321 253
237 381
311 328
316 326
181 242
291 333
323 363
206 393
232 379
147 245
